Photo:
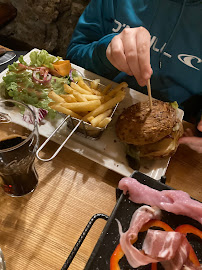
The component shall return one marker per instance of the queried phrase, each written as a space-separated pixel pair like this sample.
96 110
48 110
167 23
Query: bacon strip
180 258
174 201
141 216
170 248
162 244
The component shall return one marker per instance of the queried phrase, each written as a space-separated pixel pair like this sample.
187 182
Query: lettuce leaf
43 58
22 61
19 85
174 104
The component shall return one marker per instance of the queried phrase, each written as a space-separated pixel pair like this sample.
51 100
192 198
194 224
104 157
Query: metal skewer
149 93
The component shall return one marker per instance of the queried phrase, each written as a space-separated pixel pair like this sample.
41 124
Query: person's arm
96 48
90 40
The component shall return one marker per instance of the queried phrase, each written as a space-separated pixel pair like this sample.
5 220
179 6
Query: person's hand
193 142
129 52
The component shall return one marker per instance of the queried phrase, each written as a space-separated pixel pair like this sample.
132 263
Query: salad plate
107 150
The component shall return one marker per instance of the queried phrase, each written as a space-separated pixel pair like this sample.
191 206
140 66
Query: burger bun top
139 125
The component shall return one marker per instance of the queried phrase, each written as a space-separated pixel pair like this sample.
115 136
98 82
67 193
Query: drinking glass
2 261
19 140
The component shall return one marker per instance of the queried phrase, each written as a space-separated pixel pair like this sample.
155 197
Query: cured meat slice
170 248
174 201
162 244
141 216
180 258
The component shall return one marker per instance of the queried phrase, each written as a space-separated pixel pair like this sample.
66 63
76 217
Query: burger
149 133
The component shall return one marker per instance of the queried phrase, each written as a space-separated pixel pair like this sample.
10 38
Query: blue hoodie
175 28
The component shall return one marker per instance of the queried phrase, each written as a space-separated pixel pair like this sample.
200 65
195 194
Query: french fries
59 108
82 106
88 102
83 85
93 97
68 89
106 106
106 89
95 121
55 97
117 89
79 97
79 88
69 98
104 122
94 84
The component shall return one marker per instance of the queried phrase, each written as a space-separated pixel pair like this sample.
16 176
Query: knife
6 56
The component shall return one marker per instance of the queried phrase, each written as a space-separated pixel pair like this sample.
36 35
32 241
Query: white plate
107 150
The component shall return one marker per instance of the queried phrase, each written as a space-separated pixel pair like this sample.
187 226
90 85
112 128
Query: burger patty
166 147
139 125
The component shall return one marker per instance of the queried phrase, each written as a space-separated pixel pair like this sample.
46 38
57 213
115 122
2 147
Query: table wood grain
2 47
39 231
185 169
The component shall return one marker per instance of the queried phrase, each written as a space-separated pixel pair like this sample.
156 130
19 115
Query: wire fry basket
85 129
76 126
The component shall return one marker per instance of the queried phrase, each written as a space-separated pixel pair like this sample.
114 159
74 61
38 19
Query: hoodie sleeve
90 39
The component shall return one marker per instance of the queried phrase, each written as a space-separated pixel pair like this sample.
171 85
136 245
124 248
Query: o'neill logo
187 60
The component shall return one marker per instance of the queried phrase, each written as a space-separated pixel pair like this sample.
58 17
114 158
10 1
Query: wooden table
39 231
2 47
185 170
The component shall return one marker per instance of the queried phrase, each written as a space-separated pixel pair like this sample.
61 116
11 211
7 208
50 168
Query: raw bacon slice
181 257
170 248
141 216
162 244
174 201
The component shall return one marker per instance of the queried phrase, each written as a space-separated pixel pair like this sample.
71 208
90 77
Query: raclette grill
123 211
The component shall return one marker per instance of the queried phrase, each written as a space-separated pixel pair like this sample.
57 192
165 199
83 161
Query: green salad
31 83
